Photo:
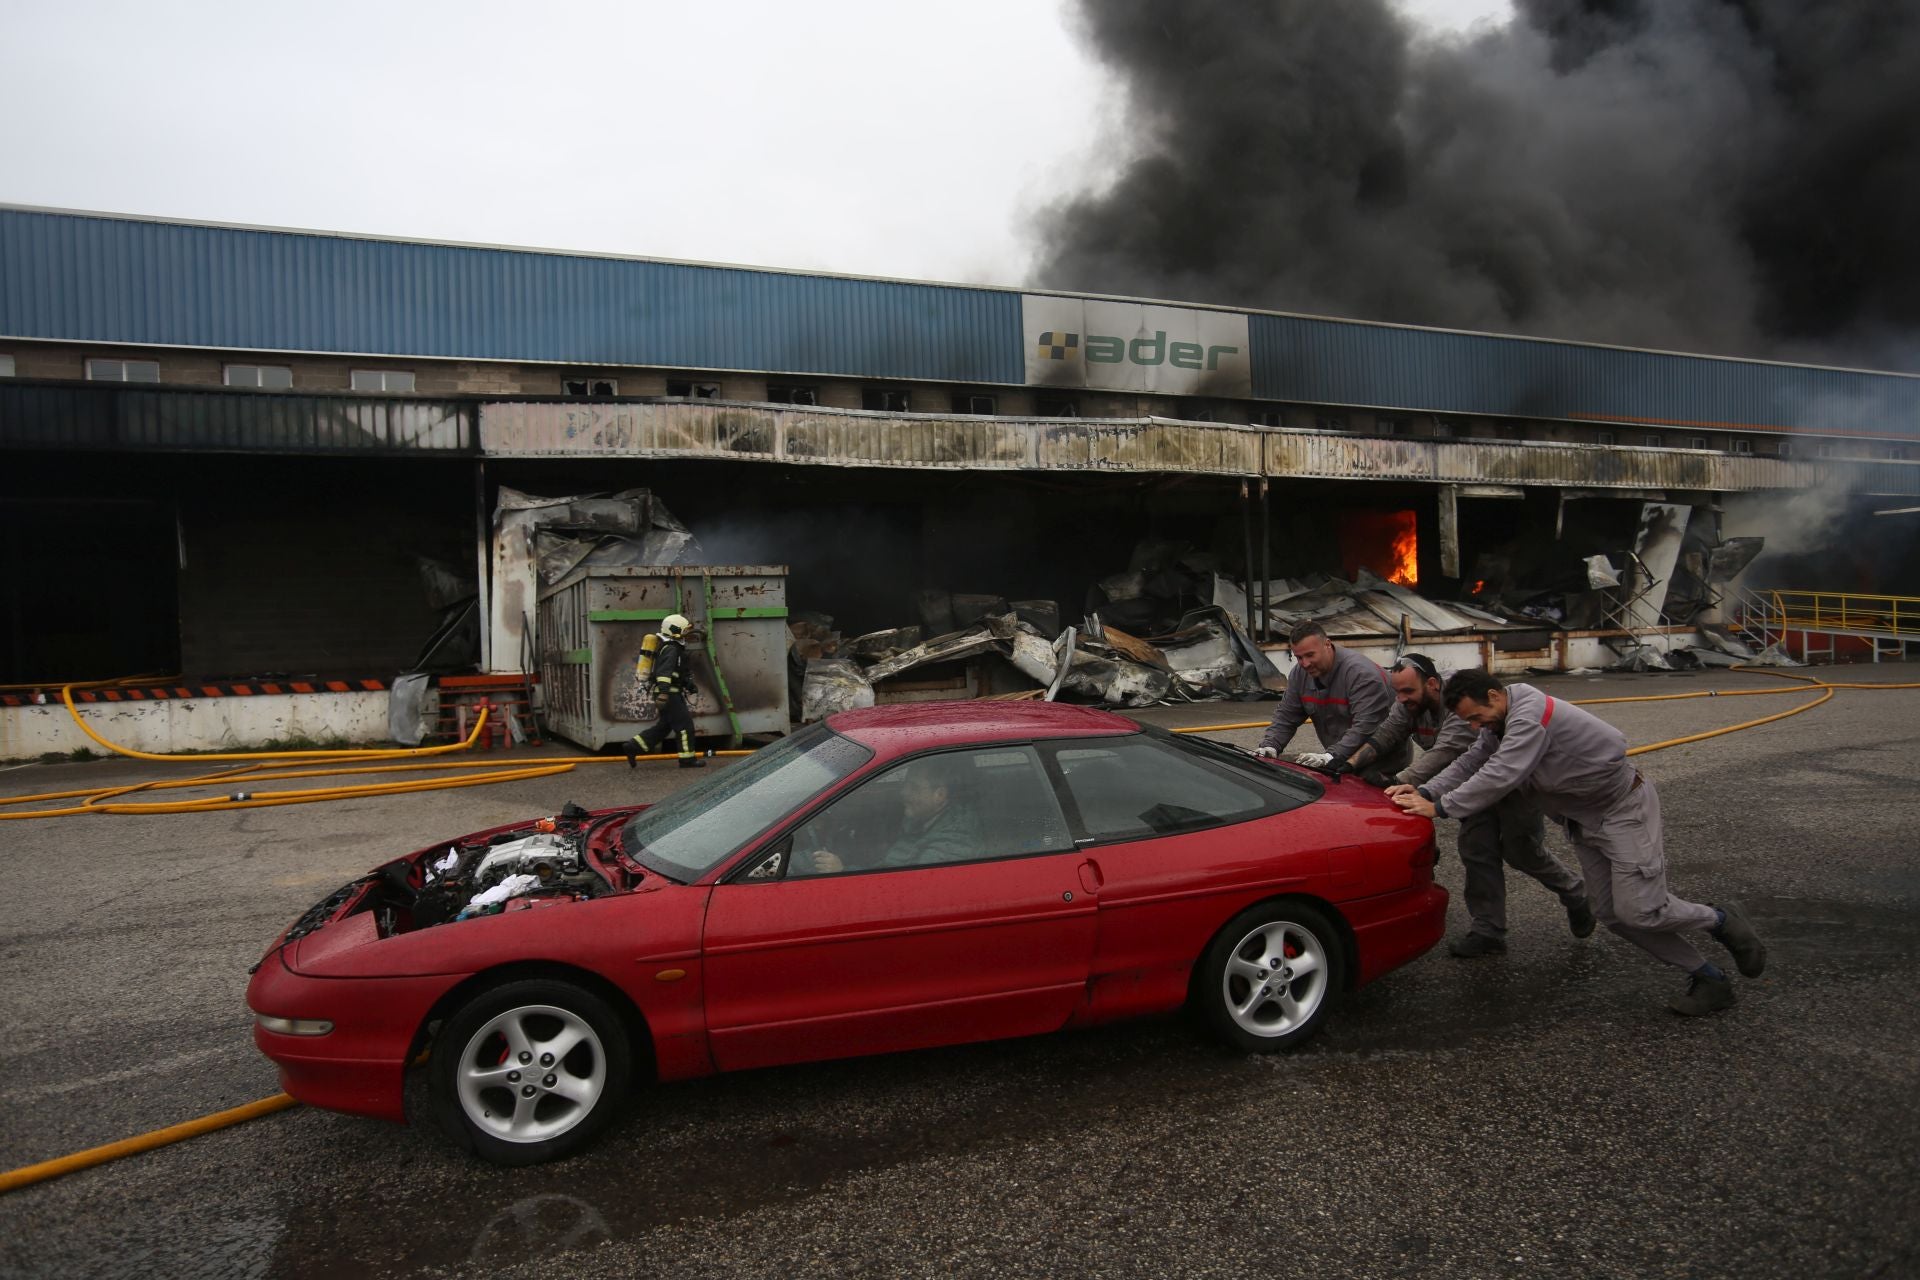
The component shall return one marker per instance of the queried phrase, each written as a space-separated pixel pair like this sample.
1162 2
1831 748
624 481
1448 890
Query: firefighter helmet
673 626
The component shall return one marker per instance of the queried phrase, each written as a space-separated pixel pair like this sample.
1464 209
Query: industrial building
225 450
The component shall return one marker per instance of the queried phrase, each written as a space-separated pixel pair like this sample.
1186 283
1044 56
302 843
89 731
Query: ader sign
1126 346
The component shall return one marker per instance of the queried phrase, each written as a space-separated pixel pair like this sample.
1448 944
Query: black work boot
692 762
632 747
1580 919
1738 937
1704 995
1475 945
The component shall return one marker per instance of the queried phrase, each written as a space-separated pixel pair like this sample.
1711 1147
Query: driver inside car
932 829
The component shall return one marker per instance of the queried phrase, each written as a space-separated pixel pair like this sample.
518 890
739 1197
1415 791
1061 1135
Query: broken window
687 389
1266 418
1444 430
1603 437
1389 426
6 366
1897 453
392 380
1784 449
1056 407
1330 422
884 399
123 371
1743 446
969 402
1827 449
1696 442
589 387
266 377
1653 440
791 394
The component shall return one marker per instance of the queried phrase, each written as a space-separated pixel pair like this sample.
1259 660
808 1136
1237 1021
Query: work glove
1315 759
1265 753
1336 766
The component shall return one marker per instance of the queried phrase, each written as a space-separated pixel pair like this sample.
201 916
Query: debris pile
1206 655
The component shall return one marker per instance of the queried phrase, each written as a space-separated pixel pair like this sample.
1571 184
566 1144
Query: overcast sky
877 138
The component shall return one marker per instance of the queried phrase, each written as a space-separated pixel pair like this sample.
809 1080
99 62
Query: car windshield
699 827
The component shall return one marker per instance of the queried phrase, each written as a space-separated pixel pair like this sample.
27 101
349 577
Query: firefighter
670 678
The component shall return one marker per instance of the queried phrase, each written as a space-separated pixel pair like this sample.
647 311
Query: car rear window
1149 784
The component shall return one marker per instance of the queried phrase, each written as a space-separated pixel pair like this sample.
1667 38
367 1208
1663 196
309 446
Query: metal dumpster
591 623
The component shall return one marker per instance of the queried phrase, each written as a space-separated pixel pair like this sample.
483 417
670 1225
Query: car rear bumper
360 1064
1394 928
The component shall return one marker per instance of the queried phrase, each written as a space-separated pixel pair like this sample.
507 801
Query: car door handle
1090 877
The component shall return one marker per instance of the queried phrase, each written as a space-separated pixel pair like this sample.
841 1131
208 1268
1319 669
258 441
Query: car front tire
1268 978
529 1071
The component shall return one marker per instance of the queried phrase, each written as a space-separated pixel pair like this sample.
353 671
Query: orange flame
1406 555
1479 585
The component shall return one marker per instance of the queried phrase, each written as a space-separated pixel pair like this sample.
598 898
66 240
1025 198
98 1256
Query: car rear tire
1268 978
529 1071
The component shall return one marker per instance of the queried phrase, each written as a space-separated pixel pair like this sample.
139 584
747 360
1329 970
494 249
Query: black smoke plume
1731 176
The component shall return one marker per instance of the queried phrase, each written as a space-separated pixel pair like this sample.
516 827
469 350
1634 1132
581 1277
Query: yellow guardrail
1844 611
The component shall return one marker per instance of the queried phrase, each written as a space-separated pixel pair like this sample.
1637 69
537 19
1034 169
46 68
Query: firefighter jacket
672 672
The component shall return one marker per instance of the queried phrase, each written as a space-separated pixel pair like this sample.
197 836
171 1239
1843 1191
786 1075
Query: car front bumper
359 1066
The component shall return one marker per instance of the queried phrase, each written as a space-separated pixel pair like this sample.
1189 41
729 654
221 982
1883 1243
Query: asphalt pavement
1538 1113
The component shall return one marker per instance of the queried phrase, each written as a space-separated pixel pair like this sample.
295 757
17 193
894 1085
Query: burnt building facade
228 450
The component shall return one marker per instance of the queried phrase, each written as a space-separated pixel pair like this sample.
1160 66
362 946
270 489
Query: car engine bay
536 864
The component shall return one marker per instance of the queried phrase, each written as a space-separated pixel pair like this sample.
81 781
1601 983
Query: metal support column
1246 538
1449 531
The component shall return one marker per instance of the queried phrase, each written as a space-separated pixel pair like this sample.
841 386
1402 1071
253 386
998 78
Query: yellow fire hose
511 771
103 799
30 1174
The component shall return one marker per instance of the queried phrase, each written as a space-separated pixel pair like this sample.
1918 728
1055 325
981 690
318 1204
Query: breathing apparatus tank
643 665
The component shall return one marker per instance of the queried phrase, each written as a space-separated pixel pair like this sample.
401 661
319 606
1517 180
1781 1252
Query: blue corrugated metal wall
1336 362
85 278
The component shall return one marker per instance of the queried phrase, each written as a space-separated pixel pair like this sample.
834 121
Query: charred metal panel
1302 453
158 419
1321 361
853 438
1513 462
95 278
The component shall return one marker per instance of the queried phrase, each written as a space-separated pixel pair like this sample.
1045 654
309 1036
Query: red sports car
887 879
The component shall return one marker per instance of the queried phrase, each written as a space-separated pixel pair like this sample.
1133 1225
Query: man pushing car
1575 765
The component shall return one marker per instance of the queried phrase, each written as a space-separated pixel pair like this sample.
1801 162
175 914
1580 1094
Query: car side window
1135 787
956 806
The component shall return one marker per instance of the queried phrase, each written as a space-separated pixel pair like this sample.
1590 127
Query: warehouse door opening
92 589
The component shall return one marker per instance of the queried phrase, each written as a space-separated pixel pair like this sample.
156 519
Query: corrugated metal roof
38 416
92 278
1314 361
